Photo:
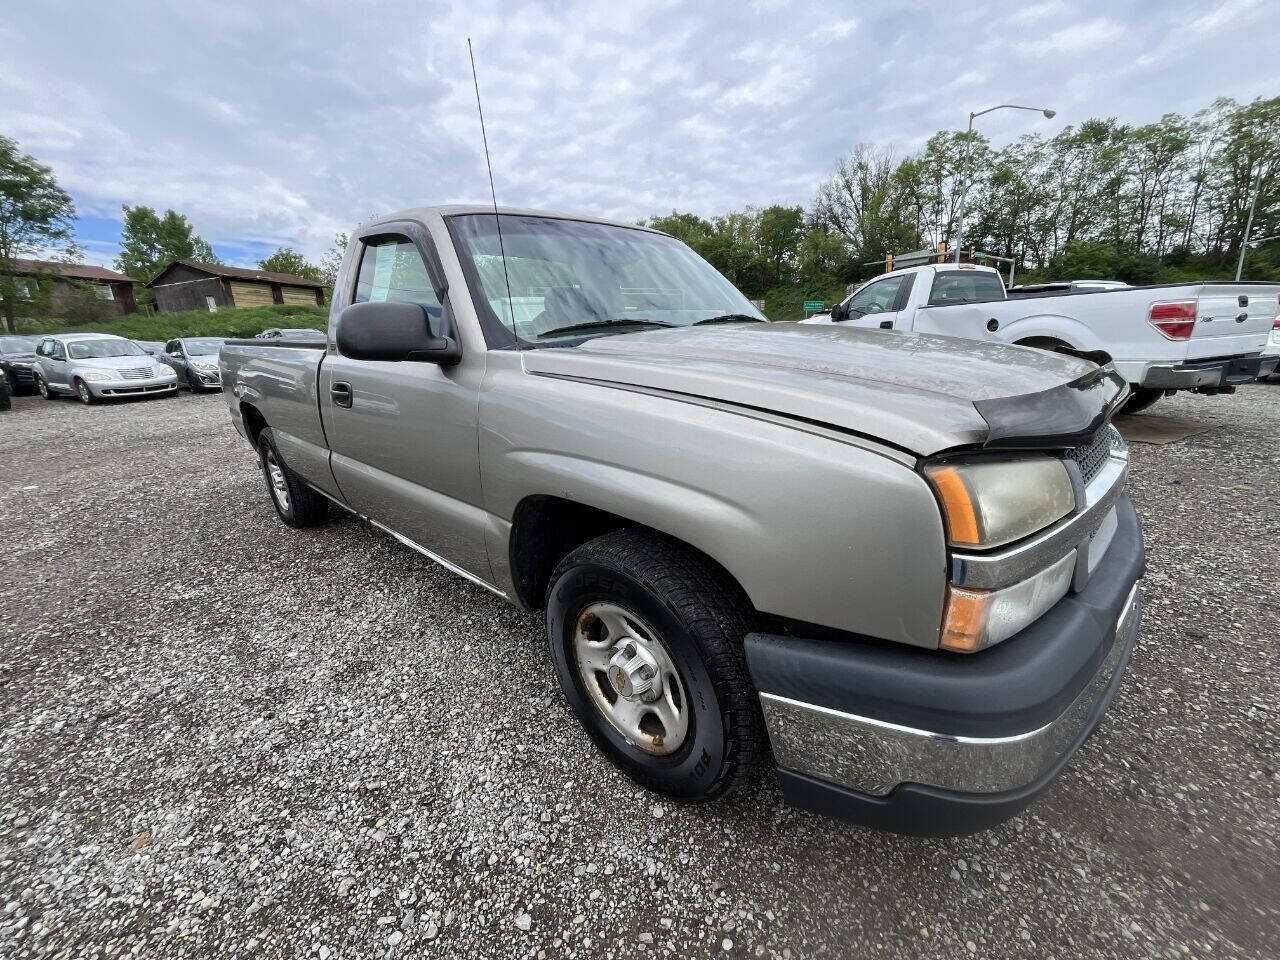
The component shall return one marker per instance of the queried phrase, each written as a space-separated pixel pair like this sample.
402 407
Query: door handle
341 393
886 324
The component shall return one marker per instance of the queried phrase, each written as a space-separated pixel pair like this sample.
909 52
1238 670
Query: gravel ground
222 737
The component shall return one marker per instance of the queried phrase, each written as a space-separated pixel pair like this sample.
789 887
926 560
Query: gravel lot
222 737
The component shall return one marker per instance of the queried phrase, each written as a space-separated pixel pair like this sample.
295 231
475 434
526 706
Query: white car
94 366
1272 349
1205 337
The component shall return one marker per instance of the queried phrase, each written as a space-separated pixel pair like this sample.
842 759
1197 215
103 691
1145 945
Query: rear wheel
42 388
1140 399
296 503
646 638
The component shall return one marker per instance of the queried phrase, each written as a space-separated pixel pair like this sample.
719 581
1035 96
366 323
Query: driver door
55 365
403 435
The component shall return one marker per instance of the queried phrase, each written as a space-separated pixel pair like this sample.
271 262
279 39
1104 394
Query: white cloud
284 124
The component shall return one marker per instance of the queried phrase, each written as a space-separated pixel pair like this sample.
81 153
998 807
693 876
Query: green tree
35 215
864 201
292 262
332 261
778 233
149 242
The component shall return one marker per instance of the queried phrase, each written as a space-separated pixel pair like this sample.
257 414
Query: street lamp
968 149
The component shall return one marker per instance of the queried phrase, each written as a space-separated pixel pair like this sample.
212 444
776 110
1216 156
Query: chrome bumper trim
873 756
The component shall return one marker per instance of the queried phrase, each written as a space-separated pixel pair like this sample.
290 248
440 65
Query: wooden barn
188 285
67 279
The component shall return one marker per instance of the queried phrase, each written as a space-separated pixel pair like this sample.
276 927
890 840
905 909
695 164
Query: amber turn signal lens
962 520
964 620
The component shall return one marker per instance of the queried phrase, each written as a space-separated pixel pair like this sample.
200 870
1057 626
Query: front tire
85 394
296 503
646 638
1140 399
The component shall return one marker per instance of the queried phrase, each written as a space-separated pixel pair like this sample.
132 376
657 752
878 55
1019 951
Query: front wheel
85 394
1140 399
646 637
296 503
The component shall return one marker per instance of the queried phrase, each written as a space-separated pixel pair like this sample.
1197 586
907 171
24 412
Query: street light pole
968 151
1248 227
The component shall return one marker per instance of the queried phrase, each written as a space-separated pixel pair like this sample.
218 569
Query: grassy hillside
197 323
787 303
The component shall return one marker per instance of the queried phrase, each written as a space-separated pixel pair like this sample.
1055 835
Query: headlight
206 367
988 503
94 376
162 370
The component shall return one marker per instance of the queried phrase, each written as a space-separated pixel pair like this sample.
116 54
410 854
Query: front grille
135 373
1090 457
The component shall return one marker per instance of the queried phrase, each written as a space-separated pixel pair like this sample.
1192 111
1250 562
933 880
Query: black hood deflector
1063 416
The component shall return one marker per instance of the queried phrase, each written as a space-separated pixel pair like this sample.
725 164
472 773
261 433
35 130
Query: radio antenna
511 305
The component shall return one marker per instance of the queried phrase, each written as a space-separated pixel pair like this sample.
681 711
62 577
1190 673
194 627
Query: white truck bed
1213 333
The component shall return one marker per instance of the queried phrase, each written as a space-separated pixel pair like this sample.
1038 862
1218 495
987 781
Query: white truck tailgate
1232 320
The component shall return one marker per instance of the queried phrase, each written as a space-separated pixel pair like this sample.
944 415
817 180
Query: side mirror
382 330
839 312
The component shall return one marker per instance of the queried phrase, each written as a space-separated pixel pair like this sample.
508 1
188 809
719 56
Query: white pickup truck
1207 337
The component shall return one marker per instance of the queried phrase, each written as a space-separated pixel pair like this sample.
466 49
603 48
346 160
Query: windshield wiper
595 324
730 318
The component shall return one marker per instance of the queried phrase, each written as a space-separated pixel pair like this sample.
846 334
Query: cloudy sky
272 124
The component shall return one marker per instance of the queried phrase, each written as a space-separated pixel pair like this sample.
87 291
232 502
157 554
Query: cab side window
174 348
878 297
57 350
391 269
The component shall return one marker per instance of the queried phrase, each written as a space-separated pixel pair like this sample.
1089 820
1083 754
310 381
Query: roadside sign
815 306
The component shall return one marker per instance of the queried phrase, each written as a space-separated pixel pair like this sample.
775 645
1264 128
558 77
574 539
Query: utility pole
1248 226
968 151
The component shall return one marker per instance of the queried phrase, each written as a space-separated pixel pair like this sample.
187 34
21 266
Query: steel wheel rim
275 474
631 679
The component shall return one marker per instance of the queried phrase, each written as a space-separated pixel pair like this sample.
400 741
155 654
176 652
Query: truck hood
917 392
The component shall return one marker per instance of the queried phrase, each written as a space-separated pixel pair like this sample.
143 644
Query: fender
1054 326
819 547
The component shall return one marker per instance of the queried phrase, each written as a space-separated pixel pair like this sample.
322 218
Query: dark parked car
290 333
195 361
17 360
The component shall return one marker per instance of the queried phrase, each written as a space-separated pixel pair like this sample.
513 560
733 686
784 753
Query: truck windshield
964 286
100 349
572 279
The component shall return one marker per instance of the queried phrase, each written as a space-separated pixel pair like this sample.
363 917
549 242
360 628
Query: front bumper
21 375
1202 374
132 388
938 744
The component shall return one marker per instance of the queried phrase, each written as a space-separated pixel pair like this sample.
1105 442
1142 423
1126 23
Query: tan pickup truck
905 563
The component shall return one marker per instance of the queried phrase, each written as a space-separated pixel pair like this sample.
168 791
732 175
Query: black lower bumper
1209 374
938 744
